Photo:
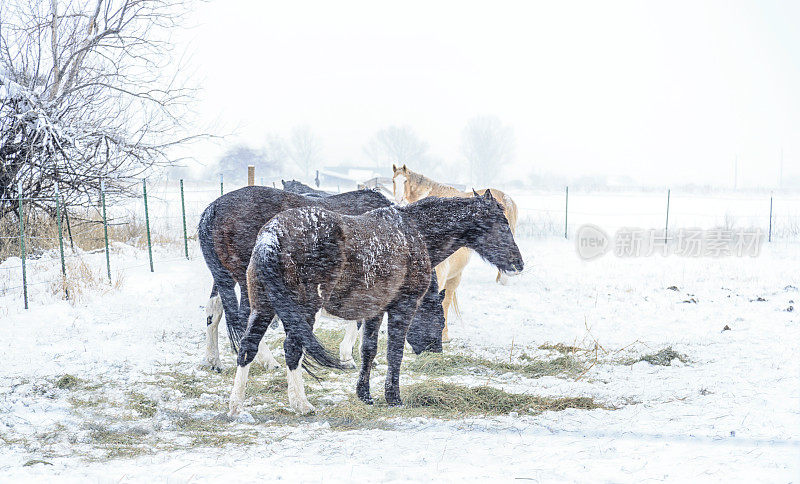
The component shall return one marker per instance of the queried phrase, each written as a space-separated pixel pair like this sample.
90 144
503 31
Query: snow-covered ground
731 412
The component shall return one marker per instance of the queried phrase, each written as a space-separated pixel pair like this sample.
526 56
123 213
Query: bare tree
89 90
275 152
304 148
398 145
488 146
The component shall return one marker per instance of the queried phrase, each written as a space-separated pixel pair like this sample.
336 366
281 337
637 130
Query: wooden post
251 175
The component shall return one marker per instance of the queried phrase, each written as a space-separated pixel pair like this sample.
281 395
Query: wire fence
41 258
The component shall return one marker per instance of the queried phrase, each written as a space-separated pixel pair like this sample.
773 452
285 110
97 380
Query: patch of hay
445 364
126 442
437 399
68 382
663 357
560 347
145 406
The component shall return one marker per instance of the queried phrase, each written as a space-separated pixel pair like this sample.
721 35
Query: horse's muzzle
516 269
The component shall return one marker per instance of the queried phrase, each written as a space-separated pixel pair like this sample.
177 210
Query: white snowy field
142 408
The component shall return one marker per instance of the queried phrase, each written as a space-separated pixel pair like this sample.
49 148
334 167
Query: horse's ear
394 168
404 167
488 195
474 193
441 294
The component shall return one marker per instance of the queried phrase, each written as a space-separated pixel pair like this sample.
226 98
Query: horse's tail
204 236
455 305
272 280
314 348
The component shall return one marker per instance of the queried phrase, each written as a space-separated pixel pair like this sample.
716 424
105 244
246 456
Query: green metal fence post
105 227
61 242
147 224
221 191
566 212
666 223
22 246
769 238
183 214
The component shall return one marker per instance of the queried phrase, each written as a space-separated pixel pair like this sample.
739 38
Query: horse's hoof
303 408
349 365
363 393
233 409
245 417
267 363
394 401
213 365
272 365
446 340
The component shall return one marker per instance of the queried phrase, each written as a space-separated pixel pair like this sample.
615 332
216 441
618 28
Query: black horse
300 188
359 267
227 233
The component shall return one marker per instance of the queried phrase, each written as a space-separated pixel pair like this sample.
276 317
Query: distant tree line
487 147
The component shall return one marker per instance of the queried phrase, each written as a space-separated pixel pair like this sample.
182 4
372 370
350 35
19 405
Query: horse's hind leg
369 348
346 346
213 316
244 301
264 356
256 327
227 293
296 390
449 295
293 352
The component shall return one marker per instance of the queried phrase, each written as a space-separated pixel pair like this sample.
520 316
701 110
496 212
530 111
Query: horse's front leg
369 348
399 319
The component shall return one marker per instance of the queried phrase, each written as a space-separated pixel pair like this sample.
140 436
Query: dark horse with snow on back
227 233
359 267
295 186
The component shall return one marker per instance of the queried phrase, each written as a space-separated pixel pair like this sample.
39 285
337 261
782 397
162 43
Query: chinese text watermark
592 242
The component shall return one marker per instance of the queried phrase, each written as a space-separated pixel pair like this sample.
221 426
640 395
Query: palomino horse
410 187
359 267
227 233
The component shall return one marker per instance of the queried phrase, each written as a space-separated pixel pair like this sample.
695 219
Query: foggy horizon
658 93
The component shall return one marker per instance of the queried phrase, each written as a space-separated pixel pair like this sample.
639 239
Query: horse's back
355 202
237 218
357 264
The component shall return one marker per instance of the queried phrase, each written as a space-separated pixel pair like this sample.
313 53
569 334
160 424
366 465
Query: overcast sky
666 92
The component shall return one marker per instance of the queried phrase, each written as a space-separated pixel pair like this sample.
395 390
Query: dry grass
41 233
81 281
447 364
438 399
663 357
